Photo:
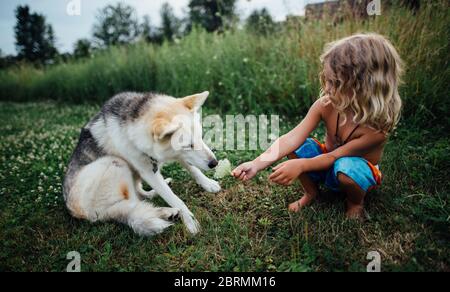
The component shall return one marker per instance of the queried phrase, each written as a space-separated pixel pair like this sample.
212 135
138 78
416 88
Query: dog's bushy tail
139 215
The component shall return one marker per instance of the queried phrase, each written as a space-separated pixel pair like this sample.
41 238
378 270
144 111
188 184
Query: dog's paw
191 223
211 186
150 194
170 214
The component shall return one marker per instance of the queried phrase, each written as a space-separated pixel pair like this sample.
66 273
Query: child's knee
353 172
346 181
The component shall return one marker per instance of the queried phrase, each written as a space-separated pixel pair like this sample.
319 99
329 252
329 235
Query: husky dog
128 142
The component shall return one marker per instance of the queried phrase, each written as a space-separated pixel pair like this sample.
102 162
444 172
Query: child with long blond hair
360 106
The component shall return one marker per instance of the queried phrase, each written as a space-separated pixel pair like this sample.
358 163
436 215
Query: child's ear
196 101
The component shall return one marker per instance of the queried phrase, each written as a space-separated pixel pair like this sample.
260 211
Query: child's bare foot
300 204
355 212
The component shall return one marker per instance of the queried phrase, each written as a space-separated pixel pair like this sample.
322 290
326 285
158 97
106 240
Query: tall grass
245 72
422 39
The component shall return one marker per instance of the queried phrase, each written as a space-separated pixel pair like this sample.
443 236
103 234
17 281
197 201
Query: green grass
245 227
245 72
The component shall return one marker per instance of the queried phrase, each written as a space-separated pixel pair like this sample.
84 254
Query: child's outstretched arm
284 146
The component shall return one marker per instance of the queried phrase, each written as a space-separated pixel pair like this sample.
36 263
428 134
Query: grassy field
247 72
245 227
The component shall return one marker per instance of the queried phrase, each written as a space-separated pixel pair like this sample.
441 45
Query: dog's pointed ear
163 129
196 101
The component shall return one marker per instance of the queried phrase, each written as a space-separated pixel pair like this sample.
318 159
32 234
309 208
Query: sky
71 26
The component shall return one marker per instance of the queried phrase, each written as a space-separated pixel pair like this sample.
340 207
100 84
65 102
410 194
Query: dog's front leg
205 182
160 186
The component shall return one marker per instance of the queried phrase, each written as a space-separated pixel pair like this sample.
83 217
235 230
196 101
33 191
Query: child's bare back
348 132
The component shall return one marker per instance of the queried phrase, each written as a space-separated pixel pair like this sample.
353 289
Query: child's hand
287 172
246 171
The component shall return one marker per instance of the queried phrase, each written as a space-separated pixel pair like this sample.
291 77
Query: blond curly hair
362 74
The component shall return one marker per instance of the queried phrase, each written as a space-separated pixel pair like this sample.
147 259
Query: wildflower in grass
265 222
223 169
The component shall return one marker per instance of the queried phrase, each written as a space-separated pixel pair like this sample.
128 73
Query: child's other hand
245 171
287 172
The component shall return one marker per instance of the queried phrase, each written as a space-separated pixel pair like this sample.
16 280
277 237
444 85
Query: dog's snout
213 163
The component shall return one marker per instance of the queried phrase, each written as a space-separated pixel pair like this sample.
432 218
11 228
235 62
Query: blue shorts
361 171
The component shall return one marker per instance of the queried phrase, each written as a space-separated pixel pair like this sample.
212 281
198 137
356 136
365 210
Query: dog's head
177 132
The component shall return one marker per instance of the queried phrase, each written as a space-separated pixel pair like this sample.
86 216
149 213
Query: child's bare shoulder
324 107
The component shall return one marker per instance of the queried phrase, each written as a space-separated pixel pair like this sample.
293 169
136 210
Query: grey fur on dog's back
125 107
87 151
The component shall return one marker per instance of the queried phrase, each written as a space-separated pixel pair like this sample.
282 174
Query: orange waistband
375 171
322 146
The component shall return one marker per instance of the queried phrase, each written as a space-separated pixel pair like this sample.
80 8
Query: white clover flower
223 169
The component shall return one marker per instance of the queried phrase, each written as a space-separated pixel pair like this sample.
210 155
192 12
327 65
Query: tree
49 41
116 25
35 39
213 15
82 49
261 22
170 24
147 30
6 61
149 33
